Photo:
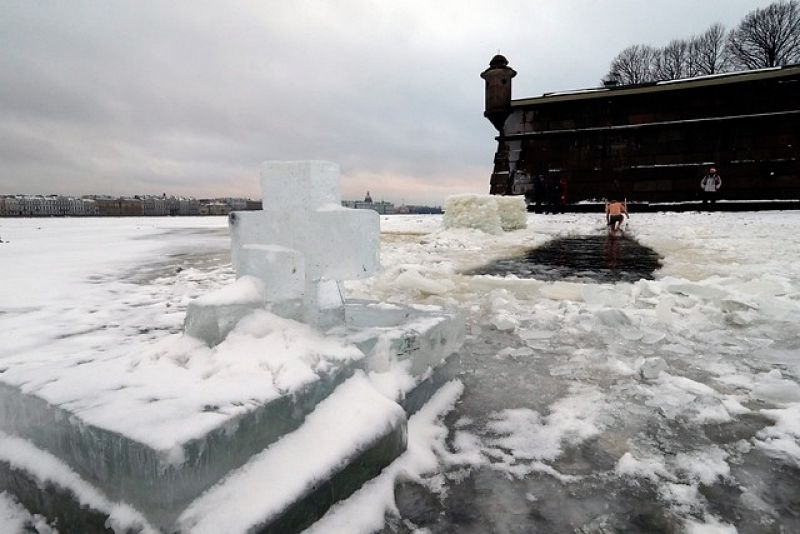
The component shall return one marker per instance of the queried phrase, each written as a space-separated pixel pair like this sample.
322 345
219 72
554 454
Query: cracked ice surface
568 418
660 405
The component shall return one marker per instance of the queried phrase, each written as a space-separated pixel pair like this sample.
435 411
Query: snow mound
488 213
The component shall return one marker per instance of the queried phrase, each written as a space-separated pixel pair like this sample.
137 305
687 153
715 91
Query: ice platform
156 476
164 480
348 439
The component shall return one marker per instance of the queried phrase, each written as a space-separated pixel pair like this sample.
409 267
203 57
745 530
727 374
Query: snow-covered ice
48 470
15 519
556 428
353 417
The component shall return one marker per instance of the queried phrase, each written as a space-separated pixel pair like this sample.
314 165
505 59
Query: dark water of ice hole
587 258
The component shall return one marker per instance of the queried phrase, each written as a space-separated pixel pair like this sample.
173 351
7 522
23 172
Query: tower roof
498 61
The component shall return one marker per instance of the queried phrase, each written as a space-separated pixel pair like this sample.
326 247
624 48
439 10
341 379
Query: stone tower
498 90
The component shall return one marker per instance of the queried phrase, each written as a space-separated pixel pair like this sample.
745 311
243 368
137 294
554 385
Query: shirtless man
616 212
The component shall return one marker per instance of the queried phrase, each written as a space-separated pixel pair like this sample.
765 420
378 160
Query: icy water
600 258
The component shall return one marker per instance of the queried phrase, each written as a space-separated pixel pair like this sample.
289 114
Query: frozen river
656 394
557 430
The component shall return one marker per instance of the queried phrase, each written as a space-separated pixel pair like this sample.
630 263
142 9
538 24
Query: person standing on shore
710 185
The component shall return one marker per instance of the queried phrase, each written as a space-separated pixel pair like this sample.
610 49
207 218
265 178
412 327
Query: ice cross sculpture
303 242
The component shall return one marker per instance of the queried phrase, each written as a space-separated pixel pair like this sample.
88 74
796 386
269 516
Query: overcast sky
127 97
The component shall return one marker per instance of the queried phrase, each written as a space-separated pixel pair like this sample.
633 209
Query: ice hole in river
597 258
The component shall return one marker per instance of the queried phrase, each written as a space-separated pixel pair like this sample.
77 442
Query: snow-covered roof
666 85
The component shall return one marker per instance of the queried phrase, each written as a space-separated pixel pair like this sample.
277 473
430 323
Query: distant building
253 205
173 206
9 206
45 206
367 204
111 206
37 206
424 210
89 207
650 142
188 206
154 206
236 204
131 207
215 208
107 206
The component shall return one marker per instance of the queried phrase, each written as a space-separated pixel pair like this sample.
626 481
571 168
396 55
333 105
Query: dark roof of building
667 85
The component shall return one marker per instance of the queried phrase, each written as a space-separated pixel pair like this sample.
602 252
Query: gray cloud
189 97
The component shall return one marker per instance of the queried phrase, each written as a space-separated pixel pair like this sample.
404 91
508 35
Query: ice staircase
276 468
283 488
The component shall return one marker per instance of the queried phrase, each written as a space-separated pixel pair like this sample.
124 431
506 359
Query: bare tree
710 51
693 57
635 64
672 60
767 37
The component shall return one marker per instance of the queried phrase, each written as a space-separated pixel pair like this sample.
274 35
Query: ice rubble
721 316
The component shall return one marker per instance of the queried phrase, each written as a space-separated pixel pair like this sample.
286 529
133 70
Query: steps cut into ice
348 439
159 433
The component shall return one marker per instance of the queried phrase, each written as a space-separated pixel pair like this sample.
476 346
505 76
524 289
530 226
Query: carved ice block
348 245
293 186
303 243
211 317
281 269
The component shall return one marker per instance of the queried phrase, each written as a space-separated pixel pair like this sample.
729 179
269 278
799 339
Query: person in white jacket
710 185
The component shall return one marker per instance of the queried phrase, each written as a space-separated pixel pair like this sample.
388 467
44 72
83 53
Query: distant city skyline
162 205
357 198
184 98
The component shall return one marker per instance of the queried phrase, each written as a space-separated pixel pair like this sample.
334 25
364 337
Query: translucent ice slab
421 337
211 317
160 453
348 439
335 242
